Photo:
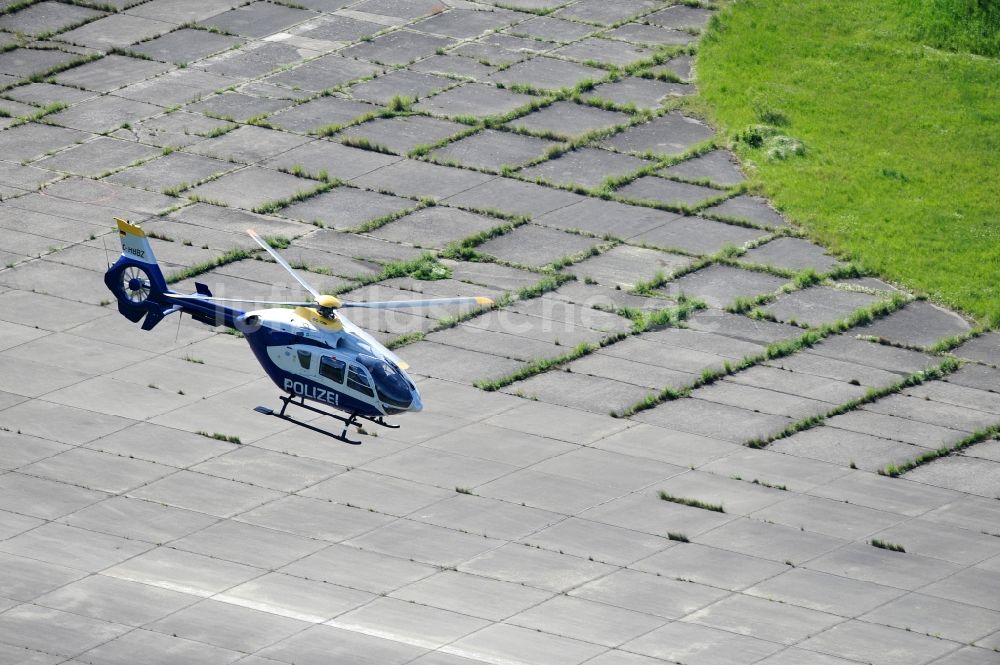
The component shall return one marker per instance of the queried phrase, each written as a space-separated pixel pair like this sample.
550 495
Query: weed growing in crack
693 503
886 545
218 436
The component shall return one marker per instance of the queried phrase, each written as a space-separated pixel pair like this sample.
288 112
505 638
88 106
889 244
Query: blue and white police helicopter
309 349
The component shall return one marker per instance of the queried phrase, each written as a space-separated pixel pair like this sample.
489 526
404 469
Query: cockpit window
357 380
390 382
332 368
305 358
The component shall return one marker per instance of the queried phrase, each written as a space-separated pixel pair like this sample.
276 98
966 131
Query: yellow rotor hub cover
328 302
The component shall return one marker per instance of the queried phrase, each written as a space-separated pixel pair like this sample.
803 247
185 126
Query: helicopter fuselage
327 360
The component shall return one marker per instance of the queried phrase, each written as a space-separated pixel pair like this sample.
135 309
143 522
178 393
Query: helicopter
309 349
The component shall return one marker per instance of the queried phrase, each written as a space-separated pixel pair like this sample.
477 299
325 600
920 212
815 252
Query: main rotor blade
396 304
282 262
199 296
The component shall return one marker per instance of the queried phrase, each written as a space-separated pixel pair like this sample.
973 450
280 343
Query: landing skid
353 419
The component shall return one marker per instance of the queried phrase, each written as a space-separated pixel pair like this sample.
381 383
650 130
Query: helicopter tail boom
141 290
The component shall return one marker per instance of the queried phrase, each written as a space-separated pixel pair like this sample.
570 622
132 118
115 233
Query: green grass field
901 162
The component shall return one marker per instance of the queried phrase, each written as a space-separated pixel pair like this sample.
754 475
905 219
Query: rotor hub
134 284
327 302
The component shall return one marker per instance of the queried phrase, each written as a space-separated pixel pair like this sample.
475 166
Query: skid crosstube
352 419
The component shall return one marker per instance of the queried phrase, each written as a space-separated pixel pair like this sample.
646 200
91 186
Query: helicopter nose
416 404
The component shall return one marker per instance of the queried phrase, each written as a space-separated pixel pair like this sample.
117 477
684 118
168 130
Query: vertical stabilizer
135 244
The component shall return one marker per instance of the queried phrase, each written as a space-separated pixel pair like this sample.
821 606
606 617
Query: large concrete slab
478 101
584 167
639 92
567 120
670 134
918 324
492 150
547 74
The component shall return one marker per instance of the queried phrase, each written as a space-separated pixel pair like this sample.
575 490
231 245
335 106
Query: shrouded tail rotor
135 284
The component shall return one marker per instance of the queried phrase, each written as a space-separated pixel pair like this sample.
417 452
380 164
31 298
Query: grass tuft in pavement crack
403 340
388 218
218 436
643 321
886 545
537 367
426 267
269 207
278 242
465 249
693 503
363 143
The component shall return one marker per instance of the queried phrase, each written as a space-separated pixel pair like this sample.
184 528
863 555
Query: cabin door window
332 368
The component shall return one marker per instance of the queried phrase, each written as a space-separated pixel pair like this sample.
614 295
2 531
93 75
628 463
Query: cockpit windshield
392 386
